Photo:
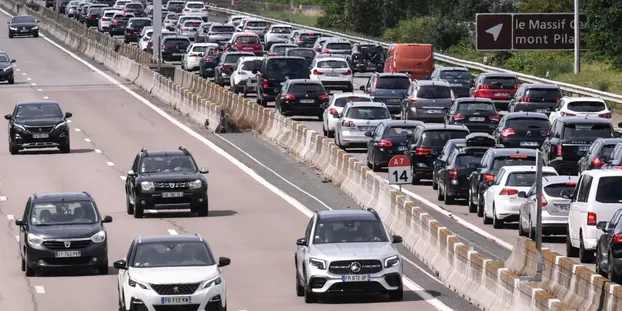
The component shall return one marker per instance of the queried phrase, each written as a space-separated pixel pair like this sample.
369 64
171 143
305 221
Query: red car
246 42
499 87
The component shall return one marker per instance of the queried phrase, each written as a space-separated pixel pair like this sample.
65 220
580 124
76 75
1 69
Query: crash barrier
488 284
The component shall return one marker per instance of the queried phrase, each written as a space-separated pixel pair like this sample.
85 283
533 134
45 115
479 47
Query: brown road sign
526 31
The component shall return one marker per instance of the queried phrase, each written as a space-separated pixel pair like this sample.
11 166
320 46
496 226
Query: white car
357 119
243 73
170 22
501 200
196 7
333 72
120 4
192 57
278 33
335 106
580 107
171 270
145 36
106 19
236 20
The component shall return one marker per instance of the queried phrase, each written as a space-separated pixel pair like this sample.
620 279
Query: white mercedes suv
171 271
347 251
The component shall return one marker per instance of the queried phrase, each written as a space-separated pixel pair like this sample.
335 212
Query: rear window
434 91
476 106
233 58
513 160
438 138
109 14
398 131
306 88
247 40
555 190
609 190
393 83
251 65
199 49
342 101
122 18
586 131
462 160
586 106
279 48
546 94
339 46
195 5
193 24
257 24
96 11
309 37
605 152
281 30
501 82
332 64
528 123
455 75
175 6
141 23
524 179
172 17
301 53
177 42
293 68
134 6
368 113
223 29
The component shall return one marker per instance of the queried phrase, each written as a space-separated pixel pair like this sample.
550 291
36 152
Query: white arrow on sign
495 31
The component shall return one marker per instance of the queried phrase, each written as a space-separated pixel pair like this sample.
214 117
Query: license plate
476 119
542 110
529 143
177 54
172 194
247 48
332 75
355 278
23 30
367 128
393 100
401 148
455 84
435 111
307 101
40 135
584 148
564 207
185 300
502 94
68 254
371 68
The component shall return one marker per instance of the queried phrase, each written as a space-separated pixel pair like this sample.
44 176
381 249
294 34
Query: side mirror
20 222
120 265
107 219
302 242
617 134
397 239
223 261
620 124
323 106
522 194
131 173
339 116
12 61
362 88
368 134
8 117
602 225
68 114
203 171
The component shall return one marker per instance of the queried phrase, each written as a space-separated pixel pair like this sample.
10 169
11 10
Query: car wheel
103 269
597 264
486 219
10 36
434 182
532 230
448 199
129 207
12 80
245 91
480 207
65 147
203 209
310 297
29 271
397 295
13 148
571 251
23 263
139 210
439 194
613 276
472 207
585 256
300 290
320 117
496 222
324 131
35 35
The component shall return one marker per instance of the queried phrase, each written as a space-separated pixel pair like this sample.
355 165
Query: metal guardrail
573 90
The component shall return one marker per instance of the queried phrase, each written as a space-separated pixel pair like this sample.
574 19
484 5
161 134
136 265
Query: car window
41 111
141 23
524 179
251 65
233 58
347 231
247 40
586 106
398 131
281 30
455 75
393 83
434 91
528 123
137 6
279 68
195 5
95 11
171 254
339 46
609 190
555 190
279 48
301 53
475 106
308 37
63 213
223 29
192 23
199 49
581 131
257 24
438 138
342 101
172 17
368 113
513 160
181 43
544 94
4 58
23 19
336 64
163 164
462 160
501 82
306 88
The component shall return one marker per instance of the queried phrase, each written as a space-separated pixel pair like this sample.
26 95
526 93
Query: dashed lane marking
68 121
44 97
78 130
10 217
17 238
172 232
98 151
88 140
33 84
110 163
40 289
28 79
3 198
124 178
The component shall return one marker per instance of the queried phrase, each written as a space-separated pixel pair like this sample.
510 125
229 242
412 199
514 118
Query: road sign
526 31
399 170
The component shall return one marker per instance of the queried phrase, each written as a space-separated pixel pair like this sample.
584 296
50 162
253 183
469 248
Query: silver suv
347 251
356 119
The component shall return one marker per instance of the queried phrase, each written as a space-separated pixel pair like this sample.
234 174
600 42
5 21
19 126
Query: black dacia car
166 180
450 145
477 114
62 230
38 125
274 71
599 154
522 130
302 97
389 139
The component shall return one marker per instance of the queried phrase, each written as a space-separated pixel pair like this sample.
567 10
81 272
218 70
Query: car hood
174 275
337 251
170 176
39 121
66 231
4 65
23 24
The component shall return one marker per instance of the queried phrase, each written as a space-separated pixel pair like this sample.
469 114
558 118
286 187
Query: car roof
392 74
396 123
541 86
548 180
523 168
53 197
175 37
522 114
346 214
440 126
571 99
584 120
365 104
283 57
238 53
281 25
37 103
161 153
284 44
611 141
511 151
603 173
307 81
453 69
498 74
333 58
473 99
169 238
203 44
250 58
432 82
353 94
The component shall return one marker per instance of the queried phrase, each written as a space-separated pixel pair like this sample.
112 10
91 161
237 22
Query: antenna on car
62 190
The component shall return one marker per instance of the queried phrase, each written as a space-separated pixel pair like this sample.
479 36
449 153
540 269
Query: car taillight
453 174
186 10
333 111
517 86
193 55
114 22
506 133
597 163
568 114
525 99
246 28
591 219
124 10
544 201
412 100
317 73
272 54
267 28
163 47
605 115
326 51
483 87
489 177
185 29
347 123
459 117
617 238
508 191
423 151
166 21
493 118
323 97
225 67
203 9
347 73
265 84
91 17
207 59
289 97
560 151
105 19
383 143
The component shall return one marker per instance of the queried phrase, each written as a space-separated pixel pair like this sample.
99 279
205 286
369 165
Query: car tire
23 263
320 117
448 199
472 207
571 251
10 36
439 194
532 230
434 183
597 268
103 269
300 290
324 131
613 276
203 209
496 222
12 80
585 256
310 297
65 147
28 270
139 210
485 219
129 207
397 295
245 92
521 230
13 148
480 208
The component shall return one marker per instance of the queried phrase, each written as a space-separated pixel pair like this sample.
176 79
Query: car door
475 175
369 84
557 110
578 208
604 242
527 208
442 170
301 251
519 93
122 277
489 195
371 144
23 230
184 58
130 179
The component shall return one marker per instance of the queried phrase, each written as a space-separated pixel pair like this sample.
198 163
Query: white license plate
585 148
307 101
356 278
177 54
68 254
23 30
401 148
371 67
476 119
564 207
172 194
40 135
393 100
435 111
247 48
367 128
528 143
502 94
456 84
332 75
542 110
185 300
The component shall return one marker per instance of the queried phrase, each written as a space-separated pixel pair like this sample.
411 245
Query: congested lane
256 230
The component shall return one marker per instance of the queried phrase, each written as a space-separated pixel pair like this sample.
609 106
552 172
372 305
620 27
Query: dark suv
366 57
458 78
38 125
274 71
134 27
61 230
166 179
522 130
174 47
537 97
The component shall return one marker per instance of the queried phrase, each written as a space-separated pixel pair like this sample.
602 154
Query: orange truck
412 58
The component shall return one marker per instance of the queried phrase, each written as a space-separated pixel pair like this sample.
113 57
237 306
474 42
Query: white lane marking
3 198
23 73
28 79
10 217
44 97
437 304
98 151
88 140
110 163
152 211
78 130
295 203
33 84
172 232
40 289
18 69
17 238
124 178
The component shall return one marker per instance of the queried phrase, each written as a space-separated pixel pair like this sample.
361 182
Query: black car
522 130
477 114
38 125
118 24
306 53
302 97
306 39
609 248
210 60
276 70
174 47
600 154
570 139
536 97
487 169
134 27
224 68
93 16
165 180
426 143
23 25
62 230
389 139
450 145
366 57
453 176
136 8
459 78
7 73
62 6
278 49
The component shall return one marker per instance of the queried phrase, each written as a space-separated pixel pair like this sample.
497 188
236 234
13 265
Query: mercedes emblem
67 244
355 267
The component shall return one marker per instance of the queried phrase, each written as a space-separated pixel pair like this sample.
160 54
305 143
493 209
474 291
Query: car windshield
349 231
501 82
63 213
280 68
528 123
513 160
4 58
339 46
336 64
309 37
247 40
393 83
398 132
586 106
223 29
257 24
164 164
544 94
301 53
555 190
135 6
342 101
524 179
179 43
173 254
44 110
434 91
96 11
606 151
172 17
475 107
251 65
23 19
462 160
284 30
586 131
199 49
438 138
303 88
368 113
233 58
455 75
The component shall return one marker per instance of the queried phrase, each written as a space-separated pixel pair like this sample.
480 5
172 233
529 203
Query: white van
597 197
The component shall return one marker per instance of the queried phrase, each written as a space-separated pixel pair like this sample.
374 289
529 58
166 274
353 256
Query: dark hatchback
134 27
536 97
366 57
38 125
609 245
224 68
166 180
307 39
7 73
210 60
20 26
443 156
600 154
306 53
174 47
136 8
477 114
458 78
426 143
522 130
118 24
276 70
92 17
62 230
302 97
278 49
388 88
389 139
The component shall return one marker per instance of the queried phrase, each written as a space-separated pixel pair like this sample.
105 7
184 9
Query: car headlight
13 28
195 184
215 281
133 283
413 109
62 124
147 186
99 237
317 263
34 239
35 28
9 68
391 261
19 127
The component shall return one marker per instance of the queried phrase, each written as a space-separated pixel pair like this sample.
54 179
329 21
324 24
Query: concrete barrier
488 284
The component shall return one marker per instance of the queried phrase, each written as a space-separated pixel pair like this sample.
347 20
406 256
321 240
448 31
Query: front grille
72 261
192 307
175 289
39 129
356 287
61 244
171 185
367 267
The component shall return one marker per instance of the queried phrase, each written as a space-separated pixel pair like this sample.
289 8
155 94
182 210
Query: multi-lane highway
258 205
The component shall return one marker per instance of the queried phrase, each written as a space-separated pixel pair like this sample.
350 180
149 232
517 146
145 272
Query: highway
255 213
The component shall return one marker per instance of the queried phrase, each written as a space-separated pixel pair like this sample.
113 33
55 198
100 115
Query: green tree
546 6
603 31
